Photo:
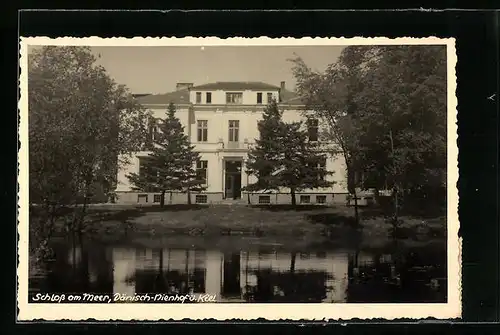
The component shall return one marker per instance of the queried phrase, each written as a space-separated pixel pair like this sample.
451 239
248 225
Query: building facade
221 121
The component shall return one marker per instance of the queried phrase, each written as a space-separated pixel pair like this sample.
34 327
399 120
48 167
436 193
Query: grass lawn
226 220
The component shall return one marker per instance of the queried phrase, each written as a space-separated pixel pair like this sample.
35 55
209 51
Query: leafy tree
394 100
80 122
284 157
171 164
329 97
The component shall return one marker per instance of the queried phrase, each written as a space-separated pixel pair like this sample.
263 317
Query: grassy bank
117 222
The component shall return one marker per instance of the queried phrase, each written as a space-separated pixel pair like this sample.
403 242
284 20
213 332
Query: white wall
249 97
218 128
181 113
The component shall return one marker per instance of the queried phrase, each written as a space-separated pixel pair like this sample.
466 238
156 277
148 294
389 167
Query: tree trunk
352 188
292 194
396 203
292 271
395 186
248 198
162 199
171 197
189 197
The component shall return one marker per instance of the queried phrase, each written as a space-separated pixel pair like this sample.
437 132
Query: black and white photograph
238 178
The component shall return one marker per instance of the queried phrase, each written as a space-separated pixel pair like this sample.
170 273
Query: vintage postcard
240 178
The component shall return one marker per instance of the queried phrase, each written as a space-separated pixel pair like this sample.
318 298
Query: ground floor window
305 199
321 199
142 198
201 199
264 199
157 198
201 170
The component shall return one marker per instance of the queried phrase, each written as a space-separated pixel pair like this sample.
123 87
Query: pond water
398 272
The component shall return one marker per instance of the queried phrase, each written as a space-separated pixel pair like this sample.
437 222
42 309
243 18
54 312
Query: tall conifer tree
263 158
284 157
303 165
171 166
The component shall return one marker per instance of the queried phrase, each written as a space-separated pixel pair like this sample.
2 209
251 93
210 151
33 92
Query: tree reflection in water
394 273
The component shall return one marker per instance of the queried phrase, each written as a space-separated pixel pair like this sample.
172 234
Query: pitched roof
176 97
139 95
292 99
236 85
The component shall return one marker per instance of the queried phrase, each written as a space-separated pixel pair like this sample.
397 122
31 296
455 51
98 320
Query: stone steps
233 202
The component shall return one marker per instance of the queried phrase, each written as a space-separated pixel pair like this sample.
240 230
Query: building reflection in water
244 276
415 275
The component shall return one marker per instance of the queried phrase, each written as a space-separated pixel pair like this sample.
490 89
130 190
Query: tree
302 164
329 97
394 100
80 122
263 158
410 121
284 157
171 164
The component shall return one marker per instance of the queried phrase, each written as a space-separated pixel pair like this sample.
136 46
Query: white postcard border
244 311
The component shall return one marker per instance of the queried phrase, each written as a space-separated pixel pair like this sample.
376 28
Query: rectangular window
209 97
198 97
157 198
259 98
305 199
201 199
264 199
234 130
201 170
202 130
321 199
156 133
234 98
144 170
312 129
269 97
154 129
142 198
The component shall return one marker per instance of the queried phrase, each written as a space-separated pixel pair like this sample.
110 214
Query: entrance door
229 186
233 180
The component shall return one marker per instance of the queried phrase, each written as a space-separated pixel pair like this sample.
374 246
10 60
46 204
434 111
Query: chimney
282 89
183 86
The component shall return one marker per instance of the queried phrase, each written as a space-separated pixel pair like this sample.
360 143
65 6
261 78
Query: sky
157 69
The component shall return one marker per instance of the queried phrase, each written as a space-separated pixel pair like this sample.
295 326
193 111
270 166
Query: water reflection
260 275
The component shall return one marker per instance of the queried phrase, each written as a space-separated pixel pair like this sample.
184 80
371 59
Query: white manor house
221 120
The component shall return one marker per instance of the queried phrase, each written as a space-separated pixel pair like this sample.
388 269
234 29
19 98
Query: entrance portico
232 177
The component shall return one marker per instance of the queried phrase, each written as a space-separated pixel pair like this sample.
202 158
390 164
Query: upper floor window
234 98
234 130
198 97
143 166
156 133
154 130
202 126
269 97
259 97
209 97
312 129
